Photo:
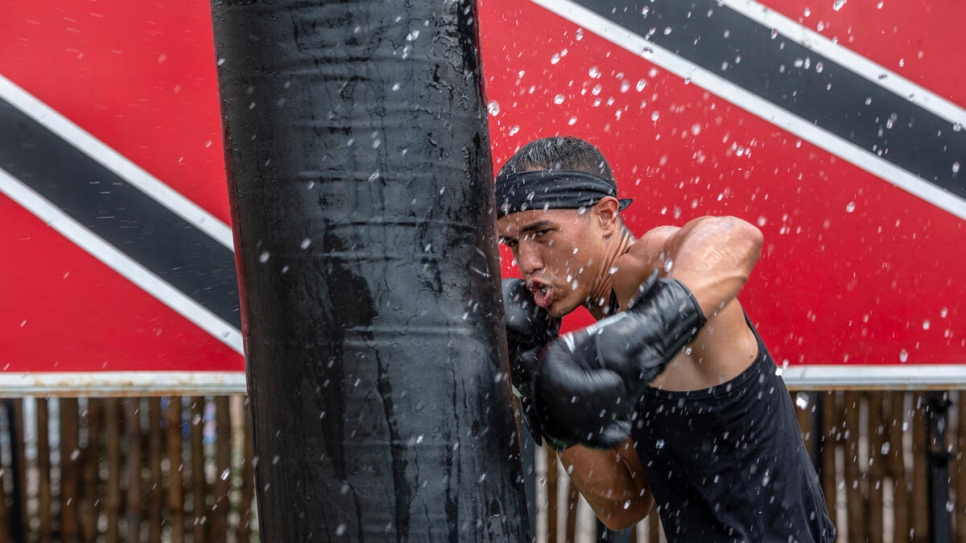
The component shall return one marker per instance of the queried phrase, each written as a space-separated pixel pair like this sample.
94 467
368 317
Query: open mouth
542 294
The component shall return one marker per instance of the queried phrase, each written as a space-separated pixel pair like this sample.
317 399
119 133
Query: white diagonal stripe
756 105
120 262
116 162
850 60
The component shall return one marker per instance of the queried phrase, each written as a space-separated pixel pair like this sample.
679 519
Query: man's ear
606 211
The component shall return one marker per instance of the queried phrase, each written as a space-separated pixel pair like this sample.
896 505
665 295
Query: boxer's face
557 253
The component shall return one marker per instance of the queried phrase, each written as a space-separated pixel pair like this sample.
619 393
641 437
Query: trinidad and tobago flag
835 127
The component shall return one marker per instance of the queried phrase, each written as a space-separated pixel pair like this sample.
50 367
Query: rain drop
594 72
225 474
640 85
659 445
340 529
579 35
925 324
801 400
838 4
493 108
903 356
263 258
850 207
955 167
555 58
559 99
305 243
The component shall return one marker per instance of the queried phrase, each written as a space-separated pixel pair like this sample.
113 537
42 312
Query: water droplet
655 116
221 61
925 324
75 454
667 31
850 207
696 129
415 33
555 58
340 529
903 356
579 35
659 444
886 447
305 243
514 129
594 72
957 127
263 258
225 474
559 99
493 108
955 167
640 85
943 312
774 33
801 400
572 121
838 4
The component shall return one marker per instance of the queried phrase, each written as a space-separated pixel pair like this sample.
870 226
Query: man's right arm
612 481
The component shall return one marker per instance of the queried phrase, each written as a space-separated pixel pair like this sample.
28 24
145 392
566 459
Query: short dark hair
558 153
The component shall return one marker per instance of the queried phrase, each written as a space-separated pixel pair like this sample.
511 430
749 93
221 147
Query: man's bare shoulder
646 254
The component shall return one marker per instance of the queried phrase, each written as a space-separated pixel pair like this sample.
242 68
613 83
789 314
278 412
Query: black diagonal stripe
800 81
161 241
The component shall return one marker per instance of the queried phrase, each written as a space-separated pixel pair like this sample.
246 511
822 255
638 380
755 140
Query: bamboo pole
175 470
91 500
44 492
199 490
247 493
831 434
69 473
897 468
135 458
920 490
112 440
959 518
5 535
876 470
222 486
154 459
553 510
854 491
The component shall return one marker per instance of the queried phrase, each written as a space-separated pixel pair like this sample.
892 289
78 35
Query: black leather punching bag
360 186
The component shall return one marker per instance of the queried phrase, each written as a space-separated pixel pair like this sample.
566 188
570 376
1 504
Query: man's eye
511 243
540 233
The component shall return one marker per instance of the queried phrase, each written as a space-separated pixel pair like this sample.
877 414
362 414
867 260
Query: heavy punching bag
360 187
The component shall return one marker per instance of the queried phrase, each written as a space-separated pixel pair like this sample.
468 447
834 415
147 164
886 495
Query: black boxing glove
576 401
588 382
529 328
639 343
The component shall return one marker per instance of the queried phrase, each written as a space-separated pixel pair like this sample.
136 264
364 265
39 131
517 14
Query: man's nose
529 259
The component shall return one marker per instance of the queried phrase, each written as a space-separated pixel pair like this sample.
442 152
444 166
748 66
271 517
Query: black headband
552 189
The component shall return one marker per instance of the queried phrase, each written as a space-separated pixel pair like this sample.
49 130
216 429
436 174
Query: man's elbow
745 236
